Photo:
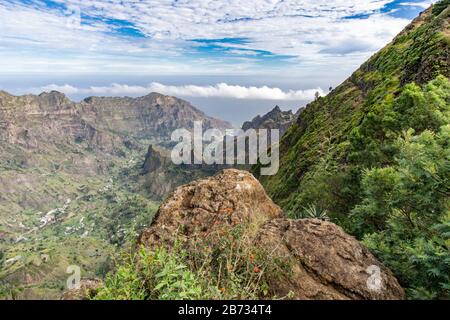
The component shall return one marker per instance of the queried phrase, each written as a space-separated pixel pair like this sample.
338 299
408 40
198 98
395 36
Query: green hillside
373 155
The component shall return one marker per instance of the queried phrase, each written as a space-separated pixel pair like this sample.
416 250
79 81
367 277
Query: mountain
368 162
101 122
161 176
50 131
275 119
225 232
70 181
154 116
373 156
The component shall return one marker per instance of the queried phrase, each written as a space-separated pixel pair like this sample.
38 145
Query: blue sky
313 44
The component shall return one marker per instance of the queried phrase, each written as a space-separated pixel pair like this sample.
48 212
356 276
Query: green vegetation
311 211
404 216
372 156
225 268
104 216
375 155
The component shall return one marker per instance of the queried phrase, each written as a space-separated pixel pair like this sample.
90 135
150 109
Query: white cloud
221 90
314 32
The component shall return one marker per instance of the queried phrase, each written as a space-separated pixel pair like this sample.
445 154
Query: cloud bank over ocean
220 90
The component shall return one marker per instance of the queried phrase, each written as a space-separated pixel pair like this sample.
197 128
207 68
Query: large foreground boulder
325 262
211 206
85 291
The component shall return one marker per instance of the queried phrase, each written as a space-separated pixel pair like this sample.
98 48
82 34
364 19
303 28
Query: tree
316 95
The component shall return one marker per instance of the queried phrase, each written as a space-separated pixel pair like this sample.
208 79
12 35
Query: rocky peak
158 98
275 119
54 98
276 111
326 263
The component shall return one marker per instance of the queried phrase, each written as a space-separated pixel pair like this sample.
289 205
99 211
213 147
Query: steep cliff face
154 116
50 123
160 176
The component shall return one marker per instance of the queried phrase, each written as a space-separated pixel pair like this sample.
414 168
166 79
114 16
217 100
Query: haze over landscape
103 197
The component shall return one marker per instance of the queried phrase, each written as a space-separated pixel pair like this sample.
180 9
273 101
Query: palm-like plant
312 211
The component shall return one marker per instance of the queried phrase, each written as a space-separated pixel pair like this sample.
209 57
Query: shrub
227 267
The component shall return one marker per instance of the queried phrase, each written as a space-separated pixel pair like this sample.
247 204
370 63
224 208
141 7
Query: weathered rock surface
209 206
159 174
154 160
326 262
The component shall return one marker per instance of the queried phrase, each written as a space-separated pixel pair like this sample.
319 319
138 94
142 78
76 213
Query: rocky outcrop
275 119
154 160
324 262
158 175
210 206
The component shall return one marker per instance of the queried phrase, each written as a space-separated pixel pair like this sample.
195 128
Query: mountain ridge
373 156
70 186
322 121
274 119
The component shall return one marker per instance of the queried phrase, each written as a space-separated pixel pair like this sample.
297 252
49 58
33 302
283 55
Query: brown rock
212 205
87 289
326 262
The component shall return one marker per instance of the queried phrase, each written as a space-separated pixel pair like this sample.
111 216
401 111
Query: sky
233 59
